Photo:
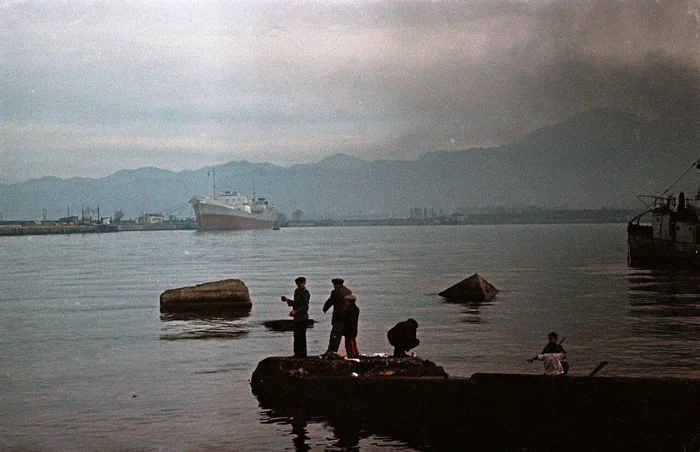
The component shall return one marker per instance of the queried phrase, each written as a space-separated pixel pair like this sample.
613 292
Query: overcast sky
88 88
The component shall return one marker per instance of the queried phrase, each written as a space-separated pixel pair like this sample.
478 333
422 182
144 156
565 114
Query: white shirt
552 363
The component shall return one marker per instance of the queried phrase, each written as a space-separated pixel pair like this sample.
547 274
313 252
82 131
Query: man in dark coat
403 337
337 302
300 315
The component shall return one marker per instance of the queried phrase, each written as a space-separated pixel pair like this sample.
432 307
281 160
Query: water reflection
297 419
665 283
665 305
383 423
229 313
209 325
471 307
348 429
300 437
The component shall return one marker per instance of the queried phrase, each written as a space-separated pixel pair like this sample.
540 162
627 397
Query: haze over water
88 363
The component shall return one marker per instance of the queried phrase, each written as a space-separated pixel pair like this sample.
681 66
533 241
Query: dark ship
671 240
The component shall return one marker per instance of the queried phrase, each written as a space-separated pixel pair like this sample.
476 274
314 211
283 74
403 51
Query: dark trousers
336 337
400 348
300 339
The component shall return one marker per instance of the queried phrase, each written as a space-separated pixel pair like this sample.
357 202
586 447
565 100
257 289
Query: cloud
186 83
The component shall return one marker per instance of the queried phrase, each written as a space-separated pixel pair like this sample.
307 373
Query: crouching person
403 337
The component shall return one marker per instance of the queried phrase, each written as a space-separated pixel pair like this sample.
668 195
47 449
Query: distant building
151 218
73 219
423 213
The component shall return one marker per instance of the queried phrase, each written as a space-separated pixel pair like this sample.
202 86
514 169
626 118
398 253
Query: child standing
351 316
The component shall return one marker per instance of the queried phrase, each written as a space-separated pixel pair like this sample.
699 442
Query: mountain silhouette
603 158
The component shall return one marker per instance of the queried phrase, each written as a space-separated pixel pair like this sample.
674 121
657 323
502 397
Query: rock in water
285 325
227 294
474 288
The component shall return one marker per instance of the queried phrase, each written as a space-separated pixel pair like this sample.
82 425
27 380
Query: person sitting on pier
554 346
553 356
403 337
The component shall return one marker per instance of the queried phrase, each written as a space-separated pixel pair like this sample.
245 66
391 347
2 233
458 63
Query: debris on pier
279 368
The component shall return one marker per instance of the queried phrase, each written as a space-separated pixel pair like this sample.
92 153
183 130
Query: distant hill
603 158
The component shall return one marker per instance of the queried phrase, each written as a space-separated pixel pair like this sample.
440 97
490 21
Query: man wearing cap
337 302
300 315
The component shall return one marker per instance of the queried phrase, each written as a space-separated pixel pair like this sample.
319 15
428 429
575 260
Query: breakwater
45 229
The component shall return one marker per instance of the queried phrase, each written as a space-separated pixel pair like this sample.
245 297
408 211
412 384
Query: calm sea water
88 363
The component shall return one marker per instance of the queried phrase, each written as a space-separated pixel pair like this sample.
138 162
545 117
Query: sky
88 88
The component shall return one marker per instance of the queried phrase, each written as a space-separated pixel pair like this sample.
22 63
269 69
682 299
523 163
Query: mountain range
599 159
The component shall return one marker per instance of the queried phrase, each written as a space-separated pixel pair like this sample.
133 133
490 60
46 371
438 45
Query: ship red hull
211 222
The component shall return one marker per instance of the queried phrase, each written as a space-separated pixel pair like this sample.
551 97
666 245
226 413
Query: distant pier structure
53 228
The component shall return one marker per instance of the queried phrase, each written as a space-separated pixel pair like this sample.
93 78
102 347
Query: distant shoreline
534 217
16 228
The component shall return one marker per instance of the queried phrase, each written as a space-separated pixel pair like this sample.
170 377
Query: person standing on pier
351 317
300 315
337 302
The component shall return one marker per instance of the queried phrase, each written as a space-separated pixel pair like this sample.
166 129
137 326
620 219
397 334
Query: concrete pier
491 411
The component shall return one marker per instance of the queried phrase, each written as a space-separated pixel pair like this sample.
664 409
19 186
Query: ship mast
213 177
696 164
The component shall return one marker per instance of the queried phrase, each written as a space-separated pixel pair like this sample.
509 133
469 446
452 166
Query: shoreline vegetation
15 228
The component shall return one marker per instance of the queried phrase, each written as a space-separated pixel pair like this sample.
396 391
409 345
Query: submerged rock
224 295
474 288
285 325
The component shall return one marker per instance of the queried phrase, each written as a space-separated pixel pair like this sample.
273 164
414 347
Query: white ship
233 211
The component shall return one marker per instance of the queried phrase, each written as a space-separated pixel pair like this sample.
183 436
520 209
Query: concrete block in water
227 294
474 288
285 325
